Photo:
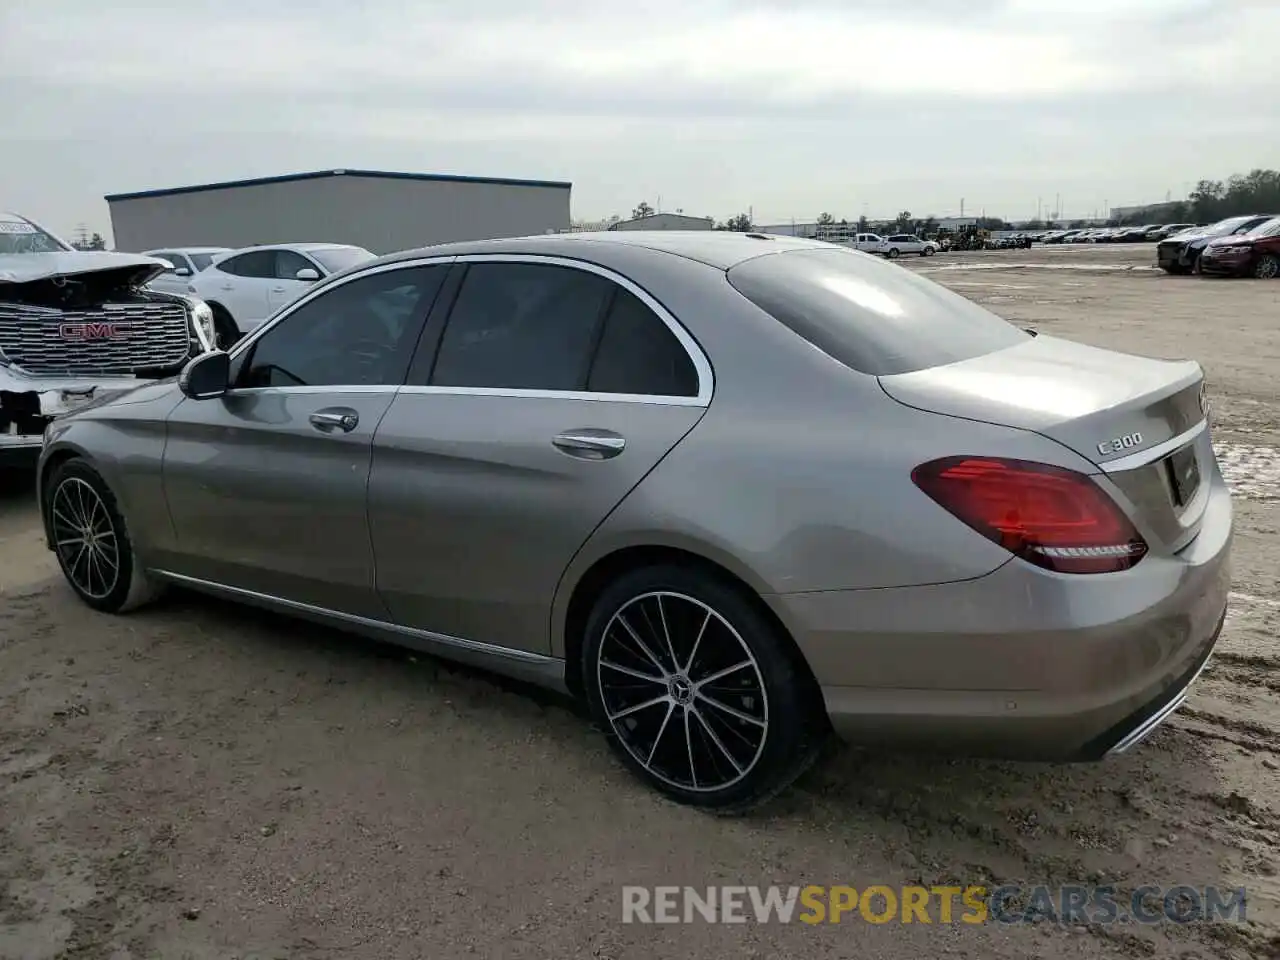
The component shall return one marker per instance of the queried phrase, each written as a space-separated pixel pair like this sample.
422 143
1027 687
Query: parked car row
1247 246
1150 233
243 287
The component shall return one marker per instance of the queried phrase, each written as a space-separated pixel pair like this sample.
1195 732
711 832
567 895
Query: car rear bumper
1020 664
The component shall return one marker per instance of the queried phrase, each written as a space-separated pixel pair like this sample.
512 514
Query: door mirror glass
207 376
307 273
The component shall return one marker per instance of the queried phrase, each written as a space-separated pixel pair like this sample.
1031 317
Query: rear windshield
871 315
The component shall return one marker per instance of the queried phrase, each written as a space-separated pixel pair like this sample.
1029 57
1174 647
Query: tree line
1256 192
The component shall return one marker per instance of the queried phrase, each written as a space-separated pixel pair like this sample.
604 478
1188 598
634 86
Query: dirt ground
203 781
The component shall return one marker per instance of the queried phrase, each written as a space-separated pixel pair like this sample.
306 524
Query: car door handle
589 444
326 421
277 289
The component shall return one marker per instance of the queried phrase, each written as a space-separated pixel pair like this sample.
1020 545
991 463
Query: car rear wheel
91 540
893 253
927 252
696 691
1267 267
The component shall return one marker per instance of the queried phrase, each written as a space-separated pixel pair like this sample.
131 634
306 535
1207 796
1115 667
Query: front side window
201 260
361 333
522 326
288 263
260 264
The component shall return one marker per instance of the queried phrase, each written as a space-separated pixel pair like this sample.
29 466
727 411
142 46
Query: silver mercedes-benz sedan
734 490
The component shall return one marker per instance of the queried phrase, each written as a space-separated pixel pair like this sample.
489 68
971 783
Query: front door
285 286
267 484
511 444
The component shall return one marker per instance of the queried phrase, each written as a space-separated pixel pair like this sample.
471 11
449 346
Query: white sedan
245 287
186 263
900 243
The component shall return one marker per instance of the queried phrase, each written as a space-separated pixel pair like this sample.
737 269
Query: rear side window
639 354
872 316
522 326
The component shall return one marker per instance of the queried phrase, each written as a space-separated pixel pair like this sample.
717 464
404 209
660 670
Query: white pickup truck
76 326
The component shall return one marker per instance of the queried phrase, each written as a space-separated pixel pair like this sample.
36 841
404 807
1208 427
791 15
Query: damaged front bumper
29 404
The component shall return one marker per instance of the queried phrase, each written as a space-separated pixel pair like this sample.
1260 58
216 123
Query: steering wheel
369 354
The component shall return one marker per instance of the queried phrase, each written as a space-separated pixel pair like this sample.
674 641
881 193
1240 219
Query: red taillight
1055 518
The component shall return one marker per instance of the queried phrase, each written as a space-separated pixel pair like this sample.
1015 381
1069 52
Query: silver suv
77 326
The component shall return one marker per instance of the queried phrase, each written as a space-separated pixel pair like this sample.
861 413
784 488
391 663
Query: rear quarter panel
798 478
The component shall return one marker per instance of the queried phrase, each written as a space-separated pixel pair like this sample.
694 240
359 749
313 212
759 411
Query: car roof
293 246
722 249
189 250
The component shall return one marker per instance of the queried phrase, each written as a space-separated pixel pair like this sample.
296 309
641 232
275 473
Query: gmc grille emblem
93 331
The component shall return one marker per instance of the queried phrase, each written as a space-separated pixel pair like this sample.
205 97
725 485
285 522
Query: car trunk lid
1138 420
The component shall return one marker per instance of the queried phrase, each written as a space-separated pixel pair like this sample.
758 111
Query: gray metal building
664 221
380 211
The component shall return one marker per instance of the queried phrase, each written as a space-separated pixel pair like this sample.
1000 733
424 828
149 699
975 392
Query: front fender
124 442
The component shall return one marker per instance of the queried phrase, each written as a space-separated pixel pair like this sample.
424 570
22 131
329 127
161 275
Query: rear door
266 485
545 396
240 283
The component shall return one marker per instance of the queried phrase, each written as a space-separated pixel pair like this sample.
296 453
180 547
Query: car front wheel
91 540
893 253
696 691
1267 267
226 332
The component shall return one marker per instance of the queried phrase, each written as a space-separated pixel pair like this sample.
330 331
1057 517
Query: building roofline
341 172
662 213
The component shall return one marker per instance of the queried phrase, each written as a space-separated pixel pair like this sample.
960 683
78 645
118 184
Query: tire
1174 269
224 327
893 253
74 492
729 760
927 252
1267 267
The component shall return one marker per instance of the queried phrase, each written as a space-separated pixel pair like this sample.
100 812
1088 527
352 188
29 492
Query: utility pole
962 208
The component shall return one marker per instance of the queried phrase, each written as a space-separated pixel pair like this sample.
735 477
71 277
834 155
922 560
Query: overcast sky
789 107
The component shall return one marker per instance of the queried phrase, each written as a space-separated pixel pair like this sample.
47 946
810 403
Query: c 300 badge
1127 442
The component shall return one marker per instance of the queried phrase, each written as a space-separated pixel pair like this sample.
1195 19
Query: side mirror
207 376
307 273
182 272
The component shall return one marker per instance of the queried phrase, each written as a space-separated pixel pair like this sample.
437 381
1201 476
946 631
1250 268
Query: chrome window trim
290 308
702 366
